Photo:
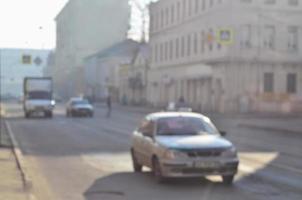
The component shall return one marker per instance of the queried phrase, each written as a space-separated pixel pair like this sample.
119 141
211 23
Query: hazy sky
29 23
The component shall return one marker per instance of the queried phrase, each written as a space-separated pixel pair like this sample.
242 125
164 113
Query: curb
27 182
266 128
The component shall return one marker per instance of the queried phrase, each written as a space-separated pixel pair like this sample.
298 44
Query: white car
175 144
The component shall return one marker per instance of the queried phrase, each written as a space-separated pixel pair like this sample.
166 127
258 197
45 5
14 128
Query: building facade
137 78
101 70
15 65
83 30
227 55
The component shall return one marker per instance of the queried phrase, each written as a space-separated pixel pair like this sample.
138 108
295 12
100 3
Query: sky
30 23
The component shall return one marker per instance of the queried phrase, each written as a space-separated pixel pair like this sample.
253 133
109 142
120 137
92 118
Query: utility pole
143 9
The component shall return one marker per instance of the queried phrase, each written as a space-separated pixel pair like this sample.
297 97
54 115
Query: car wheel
136 166
228 180
50 114
27 114
157 172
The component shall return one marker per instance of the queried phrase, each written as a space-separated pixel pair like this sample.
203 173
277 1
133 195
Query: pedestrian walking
108 101
181 103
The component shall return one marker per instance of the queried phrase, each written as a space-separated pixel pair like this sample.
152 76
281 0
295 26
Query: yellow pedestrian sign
26 59
225 36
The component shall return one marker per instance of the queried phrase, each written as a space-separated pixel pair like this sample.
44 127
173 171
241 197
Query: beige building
227 55
102 69
82 30
137 79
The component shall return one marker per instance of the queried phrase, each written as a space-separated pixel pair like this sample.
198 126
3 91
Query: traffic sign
26 59
225 36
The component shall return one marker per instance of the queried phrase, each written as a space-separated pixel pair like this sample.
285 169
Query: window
211 3
291 83
182 46
190 7
270 2
161 52
293 39
196 6
203 4
293 2
210 39
162 19
195 43
151 23
166 51
156 53
177 48
178 11
246 1
189 45
185 126
246 36
219 46
202 41
184 8
171 50
167 16
172 14
269 37
268 82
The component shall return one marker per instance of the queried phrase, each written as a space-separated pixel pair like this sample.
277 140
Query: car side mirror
223 133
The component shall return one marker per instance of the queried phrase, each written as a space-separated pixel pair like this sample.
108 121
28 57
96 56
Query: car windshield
80 102
39 95
185 126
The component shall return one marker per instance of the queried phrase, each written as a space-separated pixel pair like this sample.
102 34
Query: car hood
193 142
83 107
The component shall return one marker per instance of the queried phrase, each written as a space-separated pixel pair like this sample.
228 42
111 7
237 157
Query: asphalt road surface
88 158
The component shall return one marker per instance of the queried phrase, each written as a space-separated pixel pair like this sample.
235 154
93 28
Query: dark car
79 107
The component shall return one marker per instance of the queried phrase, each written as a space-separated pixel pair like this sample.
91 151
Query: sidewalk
290 125
265 121
11 184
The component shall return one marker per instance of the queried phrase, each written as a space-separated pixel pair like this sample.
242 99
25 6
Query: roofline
108 48
62 10
25 49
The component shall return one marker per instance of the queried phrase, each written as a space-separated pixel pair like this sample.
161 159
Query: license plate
39 108
206 164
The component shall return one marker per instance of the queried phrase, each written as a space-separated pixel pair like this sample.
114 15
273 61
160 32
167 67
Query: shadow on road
142 186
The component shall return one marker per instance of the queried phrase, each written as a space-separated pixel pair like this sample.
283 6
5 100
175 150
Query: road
83 158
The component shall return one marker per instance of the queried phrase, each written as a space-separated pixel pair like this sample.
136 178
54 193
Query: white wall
13 70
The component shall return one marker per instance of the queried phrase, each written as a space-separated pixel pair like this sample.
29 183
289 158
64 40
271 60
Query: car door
148 142
137 144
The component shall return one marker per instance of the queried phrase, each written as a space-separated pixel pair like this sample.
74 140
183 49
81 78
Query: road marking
109 162
271 157
114 137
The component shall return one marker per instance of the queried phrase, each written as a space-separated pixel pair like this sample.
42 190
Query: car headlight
53 102
172 154
231 152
